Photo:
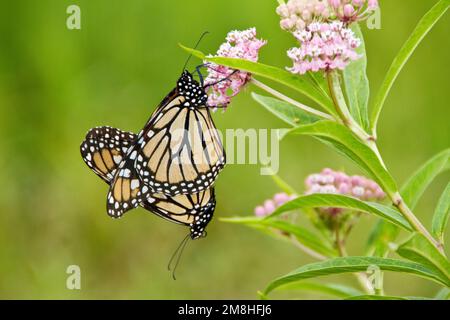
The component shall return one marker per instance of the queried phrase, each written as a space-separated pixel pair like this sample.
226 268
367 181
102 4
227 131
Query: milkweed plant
328 66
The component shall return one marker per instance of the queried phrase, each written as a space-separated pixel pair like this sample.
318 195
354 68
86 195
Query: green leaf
420 250
304 236
380 237
340 201
440 217
352 264
285 111
356 83
332 289
376 297
443 294
299 83
422 178
419 33
343 139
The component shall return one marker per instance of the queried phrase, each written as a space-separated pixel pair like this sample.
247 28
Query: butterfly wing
179 151
103 150
127 190
193 210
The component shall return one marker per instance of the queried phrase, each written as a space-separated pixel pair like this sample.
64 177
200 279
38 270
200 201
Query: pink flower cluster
323 46
224 82
270 205
337 182
297 14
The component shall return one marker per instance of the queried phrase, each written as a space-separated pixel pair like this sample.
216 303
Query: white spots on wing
133 155
117 159
125 173
134 184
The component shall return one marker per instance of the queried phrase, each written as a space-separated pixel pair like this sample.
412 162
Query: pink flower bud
372 4
286 24
348 10
306 15
358 192
344 188
283 11
334 3
269 206
280 198
260 211
358 3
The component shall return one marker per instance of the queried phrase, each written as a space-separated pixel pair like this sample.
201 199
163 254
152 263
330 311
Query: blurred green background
57 83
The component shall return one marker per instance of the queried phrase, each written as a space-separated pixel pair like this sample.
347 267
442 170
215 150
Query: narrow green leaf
443 294
419 33
420 250
319 79
441 214
340 201
422 178
380 237
299 83
375 297
285 111
342 137
350 265
332 289
304 236
356 83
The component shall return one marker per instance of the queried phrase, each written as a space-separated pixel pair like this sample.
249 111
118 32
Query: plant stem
360 276
281 96
400 204
346 118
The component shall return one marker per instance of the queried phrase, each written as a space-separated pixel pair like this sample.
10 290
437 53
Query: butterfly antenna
176 256
195 47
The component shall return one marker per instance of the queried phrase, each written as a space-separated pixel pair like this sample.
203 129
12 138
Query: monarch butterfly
104 149
179 151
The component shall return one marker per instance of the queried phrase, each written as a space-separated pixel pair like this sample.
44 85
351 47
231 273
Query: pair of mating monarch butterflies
170 167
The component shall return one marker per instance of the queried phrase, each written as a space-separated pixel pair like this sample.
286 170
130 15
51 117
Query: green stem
281 96
346 118
400 204
360 276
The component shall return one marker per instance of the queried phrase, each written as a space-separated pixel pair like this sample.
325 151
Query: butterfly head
201 221
191 90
